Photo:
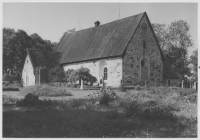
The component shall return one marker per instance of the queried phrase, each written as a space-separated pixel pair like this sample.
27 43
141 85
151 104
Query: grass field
129 116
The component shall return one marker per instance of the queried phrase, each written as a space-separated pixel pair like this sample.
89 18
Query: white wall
28 71
114 66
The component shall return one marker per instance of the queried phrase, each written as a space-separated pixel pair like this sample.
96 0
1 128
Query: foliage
8 77
46 90
194 62
157 113
161 34
7 99
15 44
56 74
175 41
82 73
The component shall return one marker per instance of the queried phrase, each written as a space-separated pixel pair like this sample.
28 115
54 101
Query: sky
51 20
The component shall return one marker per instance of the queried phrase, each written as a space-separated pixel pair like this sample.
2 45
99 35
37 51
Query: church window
105 70
144 26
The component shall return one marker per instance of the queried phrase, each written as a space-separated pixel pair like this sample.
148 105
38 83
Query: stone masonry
135 52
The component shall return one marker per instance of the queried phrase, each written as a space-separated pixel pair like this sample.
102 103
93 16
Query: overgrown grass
158 112
8 99
46 90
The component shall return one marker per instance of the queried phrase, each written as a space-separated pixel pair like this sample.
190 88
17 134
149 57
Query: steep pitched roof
168 72
43 58
107 40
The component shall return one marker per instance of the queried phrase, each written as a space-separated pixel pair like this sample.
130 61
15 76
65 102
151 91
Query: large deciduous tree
15 44
175 40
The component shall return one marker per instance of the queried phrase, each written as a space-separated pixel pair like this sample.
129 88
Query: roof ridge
107 23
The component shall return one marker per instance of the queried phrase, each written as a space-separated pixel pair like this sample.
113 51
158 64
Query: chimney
97 23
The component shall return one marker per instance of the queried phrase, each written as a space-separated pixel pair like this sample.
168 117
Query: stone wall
134 54
114 66
28 73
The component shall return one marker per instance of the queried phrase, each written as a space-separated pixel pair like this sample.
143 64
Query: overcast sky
51 20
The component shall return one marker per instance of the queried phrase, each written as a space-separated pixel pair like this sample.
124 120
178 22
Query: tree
15 52
161 34
15 44
194 62
7 32
56 74
175 41
82 73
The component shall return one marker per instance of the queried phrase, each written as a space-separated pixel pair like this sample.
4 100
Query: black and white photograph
102 69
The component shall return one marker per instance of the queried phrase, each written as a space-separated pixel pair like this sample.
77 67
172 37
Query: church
124 51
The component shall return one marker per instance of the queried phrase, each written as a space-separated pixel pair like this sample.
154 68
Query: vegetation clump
46 90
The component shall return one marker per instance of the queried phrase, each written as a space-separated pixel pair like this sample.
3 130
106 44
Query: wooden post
81 84
39 76
182 83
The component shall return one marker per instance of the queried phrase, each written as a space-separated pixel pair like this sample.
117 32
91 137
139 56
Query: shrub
153 104
8 77
104 100
56 74
9 99
46 90
103 96
185 92
76 103
138 87
30 89
10 89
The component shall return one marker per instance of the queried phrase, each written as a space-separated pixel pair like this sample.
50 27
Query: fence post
81 84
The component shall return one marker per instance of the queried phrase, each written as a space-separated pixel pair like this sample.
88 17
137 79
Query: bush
138 87
10 89
9 99
156 103
46 90
103 96
104 100
186 92
76 103
56 74
8 77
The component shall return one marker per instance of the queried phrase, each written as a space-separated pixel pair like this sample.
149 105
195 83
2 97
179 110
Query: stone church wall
134 54
114 66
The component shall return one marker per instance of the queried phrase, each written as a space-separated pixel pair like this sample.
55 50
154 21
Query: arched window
105 75
144 26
